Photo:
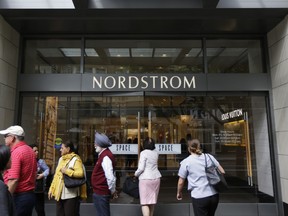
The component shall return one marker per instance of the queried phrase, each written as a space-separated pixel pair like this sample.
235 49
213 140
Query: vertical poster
50 129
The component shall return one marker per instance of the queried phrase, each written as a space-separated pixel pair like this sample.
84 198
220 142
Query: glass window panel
144 52
71 52
52 56
91 52
120 52
232 128
234 56
145 56
166 52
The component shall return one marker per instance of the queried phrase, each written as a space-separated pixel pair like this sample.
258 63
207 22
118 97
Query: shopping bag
131 186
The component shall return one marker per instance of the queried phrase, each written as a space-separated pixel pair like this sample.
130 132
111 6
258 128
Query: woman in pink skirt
149 177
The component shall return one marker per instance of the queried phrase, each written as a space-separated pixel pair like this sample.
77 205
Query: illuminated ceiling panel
91 52
142 52
194 52
36 4
167 52
118 52
71 52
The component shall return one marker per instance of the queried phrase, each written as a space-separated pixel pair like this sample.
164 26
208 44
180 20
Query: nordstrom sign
144 82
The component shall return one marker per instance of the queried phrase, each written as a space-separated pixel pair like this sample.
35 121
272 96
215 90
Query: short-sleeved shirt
193 168
23 167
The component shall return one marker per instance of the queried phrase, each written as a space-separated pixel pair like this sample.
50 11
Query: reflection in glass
234 56
144 56
52 56
232 128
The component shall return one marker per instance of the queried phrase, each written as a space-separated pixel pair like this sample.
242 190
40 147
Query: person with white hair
103 179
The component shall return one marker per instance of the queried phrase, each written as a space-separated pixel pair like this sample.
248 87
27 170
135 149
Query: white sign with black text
124 149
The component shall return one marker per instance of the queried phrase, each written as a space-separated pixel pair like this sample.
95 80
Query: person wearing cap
21 177
103 180
67 199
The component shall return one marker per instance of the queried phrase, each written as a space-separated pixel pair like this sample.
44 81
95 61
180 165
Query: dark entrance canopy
159 17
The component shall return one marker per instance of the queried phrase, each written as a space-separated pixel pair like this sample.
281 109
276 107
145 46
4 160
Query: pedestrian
67 199
20 178
149 177
42 173
7 207
205 198
103 179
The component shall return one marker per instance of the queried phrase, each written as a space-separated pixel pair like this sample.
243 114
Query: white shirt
109 172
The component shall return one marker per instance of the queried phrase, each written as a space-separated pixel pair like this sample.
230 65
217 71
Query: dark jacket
6 204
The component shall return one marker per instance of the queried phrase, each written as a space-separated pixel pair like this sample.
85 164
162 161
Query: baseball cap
14 130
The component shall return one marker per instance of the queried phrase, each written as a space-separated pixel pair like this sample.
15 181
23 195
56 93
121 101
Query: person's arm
141 165
53 185
216 163
180 186
109 174
14 173
45 169
12 184
221 169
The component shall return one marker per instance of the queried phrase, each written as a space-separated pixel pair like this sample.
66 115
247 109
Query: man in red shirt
21 177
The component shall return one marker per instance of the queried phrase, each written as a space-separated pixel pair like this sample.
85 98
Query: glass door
227 127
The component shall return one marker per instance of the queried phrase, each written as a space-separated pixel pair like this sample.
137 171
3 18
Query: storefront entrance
228 127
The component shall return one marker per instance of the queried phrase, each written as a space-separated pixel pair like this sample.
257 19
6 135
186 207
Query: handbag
214 176
72 182
40 185
131 186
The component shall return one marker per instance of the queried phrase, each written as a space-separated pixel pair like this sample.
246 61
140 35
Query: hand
179 196
63 170
115 195
40 176
49 195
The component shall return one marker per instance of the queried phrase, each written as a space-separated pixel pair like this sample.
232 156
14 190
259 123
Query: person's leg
72 206
40 204
60 208
145 210
200 206
101 204
24 203
152 207
214 200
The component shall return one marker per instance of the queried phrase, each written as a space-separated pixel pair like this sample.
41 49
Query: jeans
102 204
24 203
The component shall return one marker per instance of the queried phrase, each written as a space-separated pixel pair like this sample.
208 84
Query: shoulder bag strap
212 161
74 158
67 164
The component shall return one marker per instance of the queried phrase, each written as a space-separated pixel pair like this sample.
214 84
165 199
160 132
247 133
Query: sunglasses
7 135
